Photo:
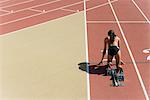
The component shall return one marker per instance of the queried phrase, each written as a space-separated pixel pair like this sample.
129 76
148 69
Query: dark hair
112 35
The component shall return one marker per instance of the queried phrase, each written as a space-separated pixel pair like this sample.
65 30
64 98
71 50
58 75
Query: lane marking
33 7
4 10
86 47
147 51
130 53
73 10
101 5
5 14
9 33
41 13
141 11
69 10
123 22
16 4
148 58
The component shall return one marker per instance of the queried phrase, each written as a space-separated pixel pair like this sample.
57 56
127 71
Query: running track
19 14
129 19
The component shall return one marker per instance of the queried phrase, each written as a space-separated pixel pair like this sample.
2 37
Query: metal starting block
108 71
117 78
120 76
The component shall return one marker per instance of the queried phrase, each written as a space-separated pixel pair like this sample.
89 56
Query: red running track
100 19
19 14
136 29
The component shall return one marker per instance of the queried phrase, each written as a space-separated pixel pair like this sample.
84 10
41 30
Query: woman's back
114 42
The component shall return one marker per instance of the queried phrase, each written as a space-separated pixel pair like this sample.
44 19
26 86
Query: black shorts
113 50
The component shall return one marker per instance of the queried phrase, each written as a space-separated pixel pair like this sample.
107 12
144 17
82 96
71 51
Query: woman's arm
119 42
104 51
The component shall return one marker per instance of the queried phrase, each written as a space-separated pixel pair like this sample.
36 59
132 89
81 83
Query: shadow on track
92 69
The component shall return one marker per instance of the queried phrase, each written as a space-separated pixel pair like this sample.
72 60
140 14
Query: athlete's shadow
92 69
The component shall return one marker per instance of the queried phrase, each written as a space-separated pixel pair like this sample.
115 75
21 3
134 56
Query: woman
113 44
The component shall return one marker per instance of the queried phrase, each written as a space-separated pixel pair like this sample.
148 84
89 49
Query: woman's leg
118 61
109 59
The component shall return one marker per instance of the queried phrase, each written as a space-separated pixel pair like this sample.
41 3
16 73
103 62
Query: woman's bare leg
118 61
109 60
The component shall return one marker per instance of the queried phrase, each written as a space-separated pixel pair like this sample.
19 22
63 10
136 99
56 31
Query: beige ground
40 62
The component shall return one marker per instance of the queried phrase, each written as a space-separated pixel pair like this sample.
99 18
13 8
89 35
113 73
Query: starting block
108 72
120 75
116 78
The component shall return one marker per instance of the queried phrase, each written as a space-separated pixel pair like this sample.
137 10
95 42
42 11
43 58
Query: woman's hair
112 35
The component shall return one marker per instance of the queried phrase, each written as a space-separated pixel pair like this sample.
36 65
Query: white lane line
8 33
148 57
147 51
124 22
101 5
69 10
4 10
130 53
86 52
33 7
41 13
76 11
16 4
146 18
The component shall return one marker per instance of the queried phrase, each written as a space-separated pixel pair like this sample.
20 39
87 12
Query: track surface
19 14
130 20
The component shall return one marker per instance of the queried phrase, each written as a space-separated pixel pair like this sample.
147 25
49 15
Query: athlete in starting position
112 42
